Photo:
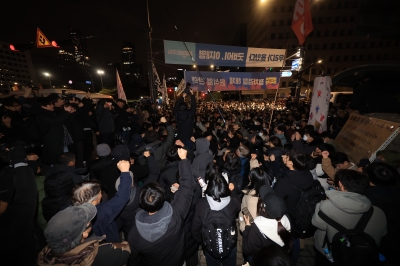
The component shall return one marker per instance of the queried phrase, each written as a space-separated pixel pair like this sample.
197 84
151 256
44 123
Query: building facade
16 69
335 40
80 48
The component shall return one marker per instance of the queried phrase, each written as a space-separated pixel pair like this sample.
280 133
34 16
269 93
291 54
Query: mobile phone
173 188
201 182
247 213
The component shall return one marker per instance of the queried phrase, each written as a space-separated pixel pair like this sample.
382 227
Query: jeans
230 260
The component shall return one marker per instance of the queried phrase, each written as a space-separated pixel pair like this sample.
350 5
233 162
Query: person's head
351 181
258 178
324 147
303 123
382 174
66 159
103 150
311 135
69 227
57 101
257 141
341 113
340 161
172 154
274 141
298 161
242 151
237 125
232 162
326 136
217 187
150 136
183 106
152 197
47 104
86 191
121 152
280 129
272 255
12 104
121 103
272 206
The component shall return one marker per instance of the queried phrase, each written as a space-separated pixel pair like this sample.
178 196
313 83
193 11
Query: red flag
302 22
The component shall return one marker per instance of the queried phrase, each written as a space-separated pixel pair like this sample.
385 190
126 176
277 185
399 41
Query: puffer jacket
250 202
346 208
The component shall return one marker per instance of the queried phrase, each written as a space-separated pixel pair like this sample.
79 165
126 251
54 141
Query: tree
217 95
109 91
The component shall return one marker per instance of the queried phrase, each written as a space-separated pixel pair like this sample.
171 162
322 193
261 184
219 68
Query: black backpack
219 233
304 210
352 246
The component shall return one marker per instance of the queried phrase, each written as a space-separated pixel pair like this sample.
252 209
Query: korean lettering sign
208 54
223 81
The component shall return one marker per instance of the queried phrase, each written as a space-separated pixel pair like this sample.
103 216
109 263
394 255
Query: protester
185 117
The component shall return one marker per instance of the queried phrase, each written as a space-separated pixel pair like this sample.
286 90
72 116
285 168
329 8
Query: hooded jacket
284 186
163 242
346 208
262 233
203 157
105 119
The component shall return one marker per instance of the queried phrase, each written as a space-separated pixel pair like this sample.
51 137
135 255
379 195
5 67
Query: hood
269 228
217 206
202 146
349 202
153 227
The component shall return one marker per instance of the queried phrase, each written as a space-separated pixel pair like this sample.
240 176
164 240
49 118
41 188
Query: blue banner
220 55
230 81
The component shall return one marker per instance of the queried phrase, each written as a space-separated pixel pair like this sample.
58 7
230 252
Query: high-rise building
16 69
128 58
335 39
81 50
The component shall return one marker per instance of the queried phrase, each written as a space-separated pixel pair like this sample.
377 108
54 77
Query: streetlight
309 75
48 75
101 72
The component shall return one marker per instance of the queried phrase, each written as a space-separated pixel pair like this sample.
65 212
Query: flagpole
153 93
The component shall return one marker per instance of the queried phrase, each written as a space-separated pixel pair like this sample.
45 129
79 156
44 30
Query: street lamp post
101 72
48 75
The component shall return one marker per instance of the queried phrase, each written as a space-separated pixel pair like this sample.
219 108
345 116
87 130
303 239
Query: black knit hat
121 152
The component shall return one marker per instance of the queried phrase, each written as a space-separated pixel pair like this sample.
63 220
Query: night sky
113 22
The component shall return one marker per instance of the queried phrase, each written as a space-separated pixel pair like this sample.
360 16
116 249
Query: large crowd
108 183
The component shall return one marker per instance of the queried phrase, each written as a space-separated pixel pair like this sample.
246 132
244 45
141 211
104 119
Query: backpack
305 208
352 246
219 233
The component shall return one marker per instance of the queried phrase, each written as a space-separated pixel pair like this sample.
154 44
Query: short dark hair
326 134
380 173
339 158
352 181
258 179
66 158
44 101
172 154
152 197
275 141
150 136
53 97
326 147
282 128
301 161
217 188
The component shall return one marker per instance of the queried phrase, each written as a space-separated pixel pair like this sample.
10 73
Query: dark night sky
114 22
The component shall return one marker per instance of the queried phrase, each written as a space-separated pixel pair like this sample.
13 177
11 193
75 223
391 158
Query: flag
157 81
41 40
181 87
165 94
120 89
321 96
302 22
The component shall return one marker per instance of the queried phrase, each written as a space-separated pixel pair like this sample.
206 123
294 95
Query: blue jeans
230 260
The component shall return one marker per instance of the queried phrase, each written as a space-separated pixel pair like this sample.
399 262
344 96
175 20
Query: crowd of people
108 183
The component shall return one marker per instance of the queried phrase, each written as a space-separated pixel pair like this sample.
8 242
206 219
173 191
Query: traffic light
271 69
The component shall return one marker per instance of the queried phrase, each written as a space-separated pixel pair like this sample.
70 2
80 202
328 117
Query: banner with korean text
219 55
230 81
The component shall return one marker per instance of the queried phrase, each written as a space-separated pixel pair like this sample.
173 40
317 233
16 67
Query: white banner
120 89
321 96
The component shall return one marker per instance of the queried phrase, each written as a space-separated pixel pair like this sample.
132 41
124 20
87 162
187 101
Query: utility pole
153 92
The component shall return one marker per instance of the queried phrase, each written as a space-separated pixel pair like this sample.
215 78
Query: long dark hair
258 179
232 162
217 187
282 232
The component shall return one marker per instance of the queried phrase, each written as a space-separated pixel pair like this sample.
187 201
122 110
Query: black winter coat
106 171
168 177
184 119
168 250
51 129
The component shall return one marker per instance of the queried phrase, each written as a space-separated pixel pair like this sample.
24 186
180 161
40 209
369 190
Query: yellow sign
270 80
41 40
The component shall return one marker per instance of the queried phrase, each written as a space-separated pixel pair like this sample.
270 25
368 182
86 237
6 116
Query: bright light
319 61
262 1
101 72
141 97
212 66
194 66
65 86
46 74
15 83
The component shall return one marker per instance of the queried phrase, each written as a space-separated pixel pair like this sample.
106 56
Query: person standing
185 117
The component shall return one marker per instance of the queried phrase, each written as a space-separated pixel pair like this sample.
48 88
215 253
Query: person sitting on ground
157 236
107 212
67 236
346 206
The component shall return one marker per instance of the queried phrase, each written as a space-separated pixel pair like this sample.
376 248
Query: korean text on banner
362 136
41 40
321 96
224 81
219 55
302 21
